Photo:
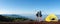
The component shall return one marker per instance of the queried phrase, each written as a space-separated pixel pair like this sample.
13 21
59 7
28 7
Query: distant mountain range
15 16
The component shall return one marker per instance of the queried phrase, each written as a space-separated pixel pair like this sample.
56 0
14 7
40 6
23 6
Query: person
39 16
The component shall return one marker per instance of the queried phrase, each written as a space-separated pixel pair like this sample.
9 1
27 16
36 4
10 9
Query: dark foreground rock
30 22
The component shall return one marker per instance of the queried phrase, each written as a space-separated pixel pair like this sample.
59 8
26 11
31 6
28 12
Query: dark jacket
39 14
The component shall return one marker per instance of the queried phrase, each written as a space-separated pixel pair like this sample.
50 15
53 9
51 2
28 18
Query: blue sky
29 6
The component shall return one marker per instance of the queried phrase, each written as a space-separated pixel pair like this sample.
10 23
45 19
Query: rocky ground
30 22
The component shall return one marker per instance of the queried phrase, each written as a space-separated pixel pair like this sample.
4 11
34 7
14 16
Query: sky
29 6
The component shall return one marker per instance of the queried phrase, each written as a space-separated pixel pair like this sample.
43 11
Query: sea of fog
43 17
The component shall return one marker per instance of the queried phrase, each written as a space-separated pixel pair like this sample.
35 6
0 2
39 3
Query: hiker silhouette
39 16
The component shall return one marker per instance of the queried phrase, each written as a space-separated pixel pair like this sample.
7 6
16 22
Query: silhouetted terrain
12 18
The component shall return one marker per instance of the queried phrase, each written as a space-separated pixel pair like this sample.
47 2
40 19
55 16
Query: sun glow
2 12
